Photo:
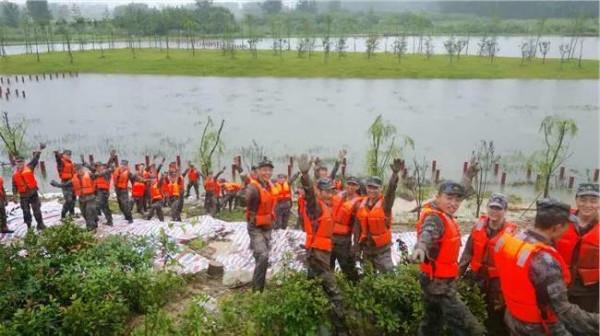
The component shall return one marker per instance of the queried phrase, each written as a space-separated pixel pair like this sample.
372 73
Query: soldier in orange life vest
579 248
85 189
211 188
301 205
478 258
321 170
156 195
260 205
374 217
534 278
318 226
138 188
3 225
102 178
193 178
176 185
345 211
25 185
231 191
283 204
121 178
66 171
437 248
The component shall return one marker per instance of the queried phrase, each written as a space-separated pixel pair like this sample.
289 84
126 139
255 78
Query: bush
65 282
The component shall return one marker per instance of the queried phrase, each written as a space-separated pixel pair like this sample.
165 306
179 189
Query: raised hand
303 163
396 166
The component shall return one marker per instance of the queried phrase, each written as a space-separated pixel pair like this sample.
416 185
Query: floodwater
141 115
509 46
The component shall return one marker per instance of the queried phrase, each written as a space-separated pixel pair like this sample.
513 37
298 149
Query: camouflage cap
265 163
452 188
67 151
325 184
352 180
498 200
588 189
374 181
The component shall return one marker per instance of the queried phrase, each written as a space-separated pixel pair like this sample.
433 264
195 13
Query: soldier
259 215
156 196
478 257
3 225
193 177
437 248
374 218
122 177
283 203
345 220
66 171
176 192
579 248
84 188
211 187
102 178
318 225
25 185
321 170
533 277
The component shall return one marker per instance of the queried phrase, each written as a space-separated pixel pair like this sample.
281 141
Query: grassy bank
353 65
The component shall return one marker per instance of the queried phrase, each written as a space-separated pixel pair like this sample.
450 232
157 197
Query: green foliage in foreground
68 283
352 65
294 305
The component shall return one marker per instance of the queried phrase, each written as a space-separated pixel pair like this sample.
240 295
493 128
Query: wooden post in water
562 173
571 182
43 168
433 166
503 179
596 175
147 159
496 169
91 158
289 170
437 176
178 161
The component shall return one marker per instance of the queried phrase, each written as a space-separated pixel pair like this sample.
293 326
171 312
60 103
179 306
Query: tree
383 146
400 47
271 7
557 133
340 47
372 43
63 29
429 47
13 137
10 13
210 143
487 158
544 48
451 48
38 10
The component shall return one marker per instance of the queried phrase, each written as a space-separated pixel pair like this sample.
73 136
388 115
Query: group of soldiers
542 280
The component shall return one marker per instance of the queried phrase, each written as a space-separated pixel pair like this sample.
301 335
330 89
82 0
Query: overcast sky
113 3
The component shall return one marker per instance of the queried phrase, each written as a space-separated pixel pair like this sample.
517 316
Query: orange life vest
483 246
283 192
301 204
84 185
321 239
583 263
513 257
155 191
343 214
445 264
374 223
232 187
174 188
193 175
264 213
102 183
139 188
211 185
121 178
67 171
164 189
24 180
2 192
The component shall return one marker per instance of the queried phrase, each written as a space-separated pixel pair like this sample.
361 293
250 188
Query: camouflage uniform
260 238
547 279
3 225
318 261
30 200
283 209
442 302
380 257
87 205
123 200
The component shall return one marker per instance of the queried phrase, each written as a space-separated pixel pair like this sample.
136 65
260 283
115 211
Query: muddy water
509 46
446 118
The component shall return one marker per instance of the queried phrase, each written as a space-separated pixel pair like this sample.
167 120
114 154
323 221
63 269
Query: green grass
354 65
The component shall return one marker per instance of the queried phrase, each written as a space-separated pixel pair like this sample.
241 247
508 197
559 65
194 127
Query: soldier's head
67 153
496 207
352 185
264 170
587 200
20 162
172 166
152 168
209 173
141 167
552 217
325 189
190 164
374 187
281 178
79 168
449 197
125 164
322 171
100 167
